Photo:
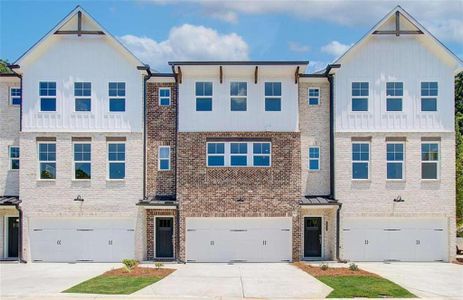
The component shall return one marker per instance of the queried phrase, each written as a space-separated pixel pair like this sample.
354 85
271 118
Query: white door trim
322 238
154 237
5 235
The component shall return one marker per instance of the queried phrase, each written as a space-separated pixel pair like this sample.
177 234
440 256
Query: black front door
312 237
13 236
164 232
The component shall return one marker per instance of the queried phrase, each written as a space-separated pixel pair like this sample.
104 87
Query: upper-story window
14 157
314 96
164 158
314 158
203 93
394 94
116 161
47 160
261 154
116 91
47 93
82 161
215 154
429 161
429 93
82 94
395 161
15 96
360 93
360 160
164 96
238 154
273 96
238 96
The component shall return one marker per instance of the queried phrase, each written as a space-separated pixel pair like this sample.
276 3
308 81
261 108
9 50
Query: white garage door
238 239
395 239
70 240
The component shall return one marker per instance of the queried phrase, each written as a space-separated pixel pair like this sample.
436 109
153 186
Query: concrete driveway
425 280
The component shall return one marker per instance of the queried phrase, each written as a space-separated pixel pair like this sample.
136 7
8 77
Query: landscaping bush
324 267
353 267
158 265
130 264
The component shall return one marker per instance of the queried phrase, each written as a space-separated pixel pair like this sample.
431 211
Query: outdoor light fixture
240 199
79 199
399 199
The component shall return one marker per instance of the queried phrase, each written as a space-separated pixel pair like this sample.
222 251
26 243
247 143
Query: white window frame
239 154
427 97
224 154
11 96
81 161
361 161
395 97
352 97
262 154
49 161
245 98
168 159
196 96
83 97
396 161
16 158
310 159
250 154
108 178
437 162
273 97
318 97
117 97
163 97
41 97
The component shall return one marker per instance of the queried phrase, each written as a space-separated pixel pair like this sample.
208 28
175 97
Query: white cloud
335 48
188 42
297 47
315 66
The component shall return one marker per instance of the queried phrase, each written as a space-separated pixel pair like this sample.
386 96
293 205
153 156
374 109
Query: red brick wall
151 215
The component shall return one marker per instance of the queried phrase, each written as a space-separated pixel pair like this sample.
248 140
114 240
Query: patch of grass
363 286
103 284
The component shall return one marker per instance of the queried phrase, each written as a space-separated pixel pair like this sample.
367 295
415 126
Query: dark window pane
165 101
313 164
116 104
83 104
238 160
164 164
48 104
360 104
82 170
164 92
15 164
116 170
360 170
313 101
238 104
429 104
203 104
47 170
261 160
394 170
272 104
429 170
215 161
394 104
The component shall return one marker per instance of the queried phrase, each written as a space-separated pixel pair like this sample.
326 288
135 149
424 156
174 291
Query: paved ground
426 280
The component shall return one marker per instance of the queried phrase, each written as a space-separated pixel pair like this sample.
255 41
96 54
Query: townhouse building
218 161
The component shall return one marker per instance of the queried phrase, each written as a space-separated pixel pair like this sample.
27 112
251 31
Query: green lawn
363 286
104 284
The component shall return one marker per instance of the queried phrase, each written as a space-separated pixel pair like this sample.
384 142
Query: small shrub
158 265
353 267
130 264
324 267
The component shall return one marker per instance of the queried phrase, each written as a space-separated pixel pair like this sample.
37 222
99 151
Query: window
14 157
203 94
215 154
261 155
83 93
164 96
314 158
360 160
360 96
238 154
47 94
394 93
314 96
429 93
273 96
116 91
395 161
164 158
116 159
82 161
47 160
15 96
238 96
429 161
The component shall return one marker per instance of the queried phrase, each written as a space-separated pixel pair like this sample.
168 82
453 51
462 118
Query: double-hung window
429 161
203 93
429 93
273 96
164 158
216 154
116 160
395 161
360 160
116 92
14 157
82 94
238 154
82 161
164 96
238 96
47 93
314 158
314 96
261 154
15 96
360 93
394 94
47 160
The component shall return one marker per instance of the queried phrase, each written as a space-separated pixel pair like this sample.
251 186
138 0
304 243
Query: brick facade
151 215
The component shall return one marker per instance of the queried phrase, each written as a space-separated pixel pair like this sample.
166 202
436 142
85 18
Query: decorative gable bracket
397 30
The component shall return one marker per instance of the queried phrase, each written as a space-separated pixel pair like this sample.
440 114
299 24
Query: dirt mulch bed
317 271
140 272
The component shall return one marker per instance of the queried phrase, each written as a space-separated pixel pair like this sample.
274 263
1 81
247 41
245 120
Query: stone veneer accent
151 215
212 192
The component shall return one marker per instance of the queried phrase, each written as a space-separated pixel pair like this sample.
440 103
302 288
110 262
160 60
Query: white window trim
308 95
196 97
159 158
40 98
420 99
80 161
11 96
396 161
273 97
116 97
50 161
10 158
170 95
262 154
437 162
224 154
395 97
309 159
362 161
116 161
239 154
83 97
240 97
352 97
227 154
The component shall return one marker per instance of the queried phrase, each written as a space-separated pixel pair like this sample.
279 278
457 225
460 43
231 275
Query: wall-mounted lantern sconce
240 199
79 199
399 199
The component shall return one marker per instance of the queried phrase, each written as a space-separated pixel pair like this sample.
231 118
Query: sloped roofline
414 22
63 21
